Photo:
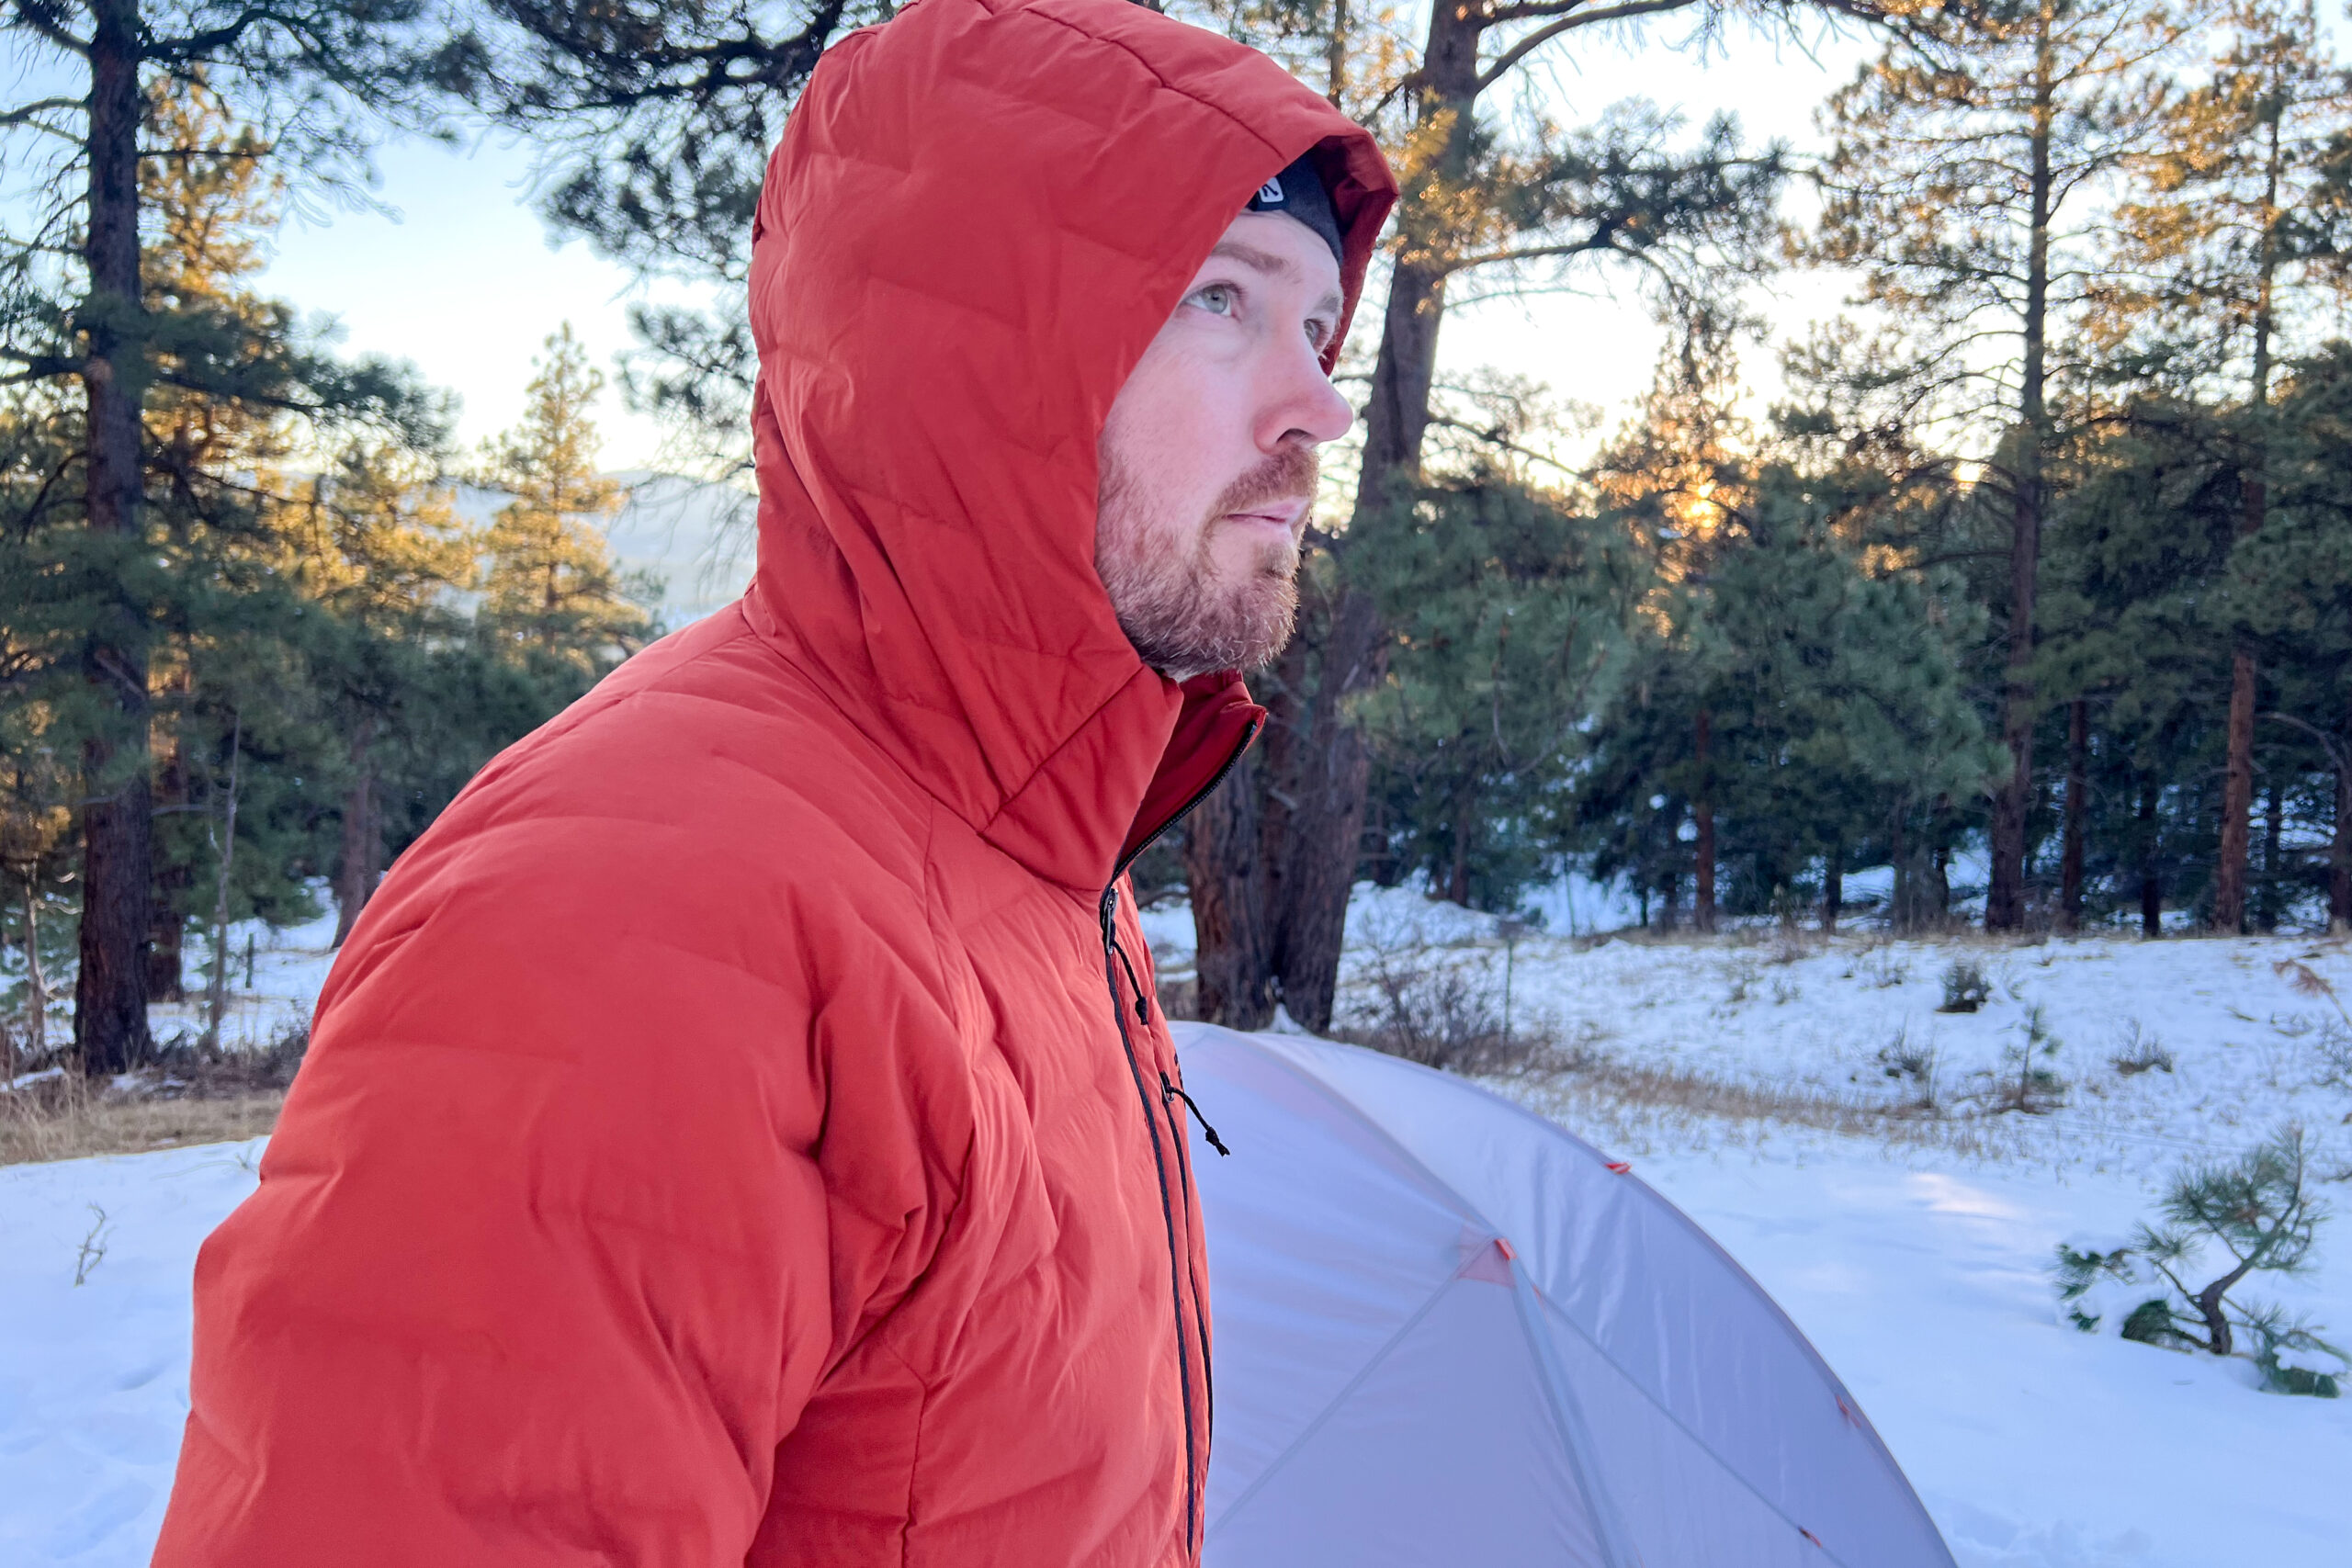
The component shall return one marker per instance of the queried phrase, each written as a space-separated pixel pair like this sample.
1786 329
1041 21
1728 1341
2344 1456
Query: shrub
1965 986
1439 1008
1881 971
1908 1061
2334 1042
2137 1052
2258 1211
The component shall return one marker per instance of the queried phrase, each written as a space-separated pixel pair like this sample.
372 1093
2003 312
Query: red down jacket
730 1136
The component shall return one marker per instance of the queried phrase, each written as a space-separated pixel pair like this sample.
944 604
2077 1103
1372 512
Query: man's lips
1283 515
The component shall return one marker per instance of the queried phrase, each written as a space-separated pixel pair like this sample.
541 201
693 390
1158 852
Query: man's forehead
1282 247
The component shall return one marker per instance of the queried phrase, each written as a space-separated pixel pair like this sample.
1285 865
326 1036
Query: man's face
1208 456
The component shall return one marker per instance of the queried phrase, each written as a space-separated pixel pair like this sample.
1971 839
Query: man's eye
1318 333
1220 297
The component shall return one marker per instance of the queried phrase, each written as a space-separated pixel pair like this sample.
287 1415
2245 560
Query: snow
94 1377
289 966
1793 1012
1914 1252
2033 1445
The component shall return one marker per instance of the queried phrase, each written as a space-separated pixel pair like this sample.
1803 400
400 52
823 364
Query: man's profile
742 1129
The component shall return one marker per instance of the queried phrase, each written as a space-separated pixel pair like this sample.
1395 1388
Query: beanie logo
1271 191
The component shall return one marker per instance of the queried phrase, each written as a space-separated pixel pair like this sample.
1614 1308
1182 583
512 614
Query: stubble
1184 615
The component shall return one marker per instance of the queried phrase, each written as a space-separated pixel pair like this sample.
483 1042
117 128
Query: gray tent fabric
1447 1331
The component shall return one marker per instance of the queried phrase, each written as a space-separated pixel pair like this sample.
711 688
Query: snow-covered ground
289 968
94 1373
1914 1251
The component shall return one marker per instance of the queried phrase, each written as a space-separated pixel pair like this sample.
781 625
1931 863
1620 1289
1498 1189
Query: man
741 1130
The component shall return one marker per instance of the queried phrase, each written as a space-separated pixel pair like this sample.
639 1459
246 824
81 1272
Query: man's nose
1303 405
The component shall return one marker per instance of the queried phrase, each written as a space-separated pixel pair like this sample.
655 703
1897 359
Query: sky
461 278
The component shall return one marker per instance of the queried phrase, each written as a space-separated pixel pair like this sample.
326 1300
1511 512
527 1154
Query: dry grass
36 1125
187 1097
1644 1106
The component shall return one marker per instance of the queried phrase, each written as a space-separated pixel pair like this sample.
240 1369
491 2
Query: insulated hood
979 215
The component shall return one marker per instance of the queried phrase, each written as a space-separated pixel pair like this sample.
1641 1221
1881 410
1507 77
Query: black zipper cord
1143 1009
1168 1088
1200 1310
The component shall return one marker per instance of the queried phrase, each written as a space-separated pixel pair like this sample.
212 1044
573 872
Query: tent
1448 1332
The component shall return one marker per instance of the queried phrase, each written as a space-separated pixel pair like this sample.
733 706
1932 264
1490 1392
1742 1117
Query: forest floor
190 1094
1803 1099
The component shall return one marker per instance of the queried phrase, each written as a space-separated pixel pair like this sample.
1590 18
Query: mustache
1287 474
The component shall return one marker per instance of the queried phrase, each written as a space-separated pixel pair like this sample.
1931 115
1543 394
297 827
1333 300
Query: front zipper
1113 959
1169 1093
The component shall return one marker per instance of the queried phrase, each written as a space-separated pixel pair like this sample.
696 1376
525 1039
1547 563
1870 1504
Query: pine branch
23 113
49 20
1575 19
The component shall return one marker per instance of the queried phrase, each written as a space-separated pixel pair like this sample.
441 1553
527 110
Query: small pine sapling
2031 1083
2259 1211
2080 1271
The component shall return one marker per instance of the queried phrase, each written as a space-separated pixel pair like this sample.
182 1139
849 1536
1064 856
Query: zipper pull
1134 987
1169 1090
1111 940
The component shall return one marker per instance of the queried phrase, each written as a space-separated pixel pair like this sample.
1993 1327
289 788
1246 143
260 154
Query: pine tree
2290 595
2230 246
1679 477
2139 542
377 544
1969 159
80 323
1508 607
2260 1213
552 601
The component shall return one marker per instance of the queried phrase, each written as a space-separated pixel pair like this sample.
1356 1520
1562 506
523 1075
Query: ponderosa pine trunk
2004 899
2237 798
117 846
1323 823
216 991
2152 887
1833 889
1226 874
36 980
1465 829
2237 775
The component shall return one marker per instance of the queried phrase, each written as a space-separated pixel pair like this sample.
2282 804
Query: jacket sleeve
547 1254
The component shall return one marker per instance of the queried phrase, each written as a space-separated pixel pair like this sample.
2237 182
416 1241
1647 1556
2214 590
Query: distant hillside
694 535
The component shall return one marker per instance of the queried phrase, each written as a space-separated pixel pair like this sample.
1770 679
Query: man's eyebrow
1280 265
